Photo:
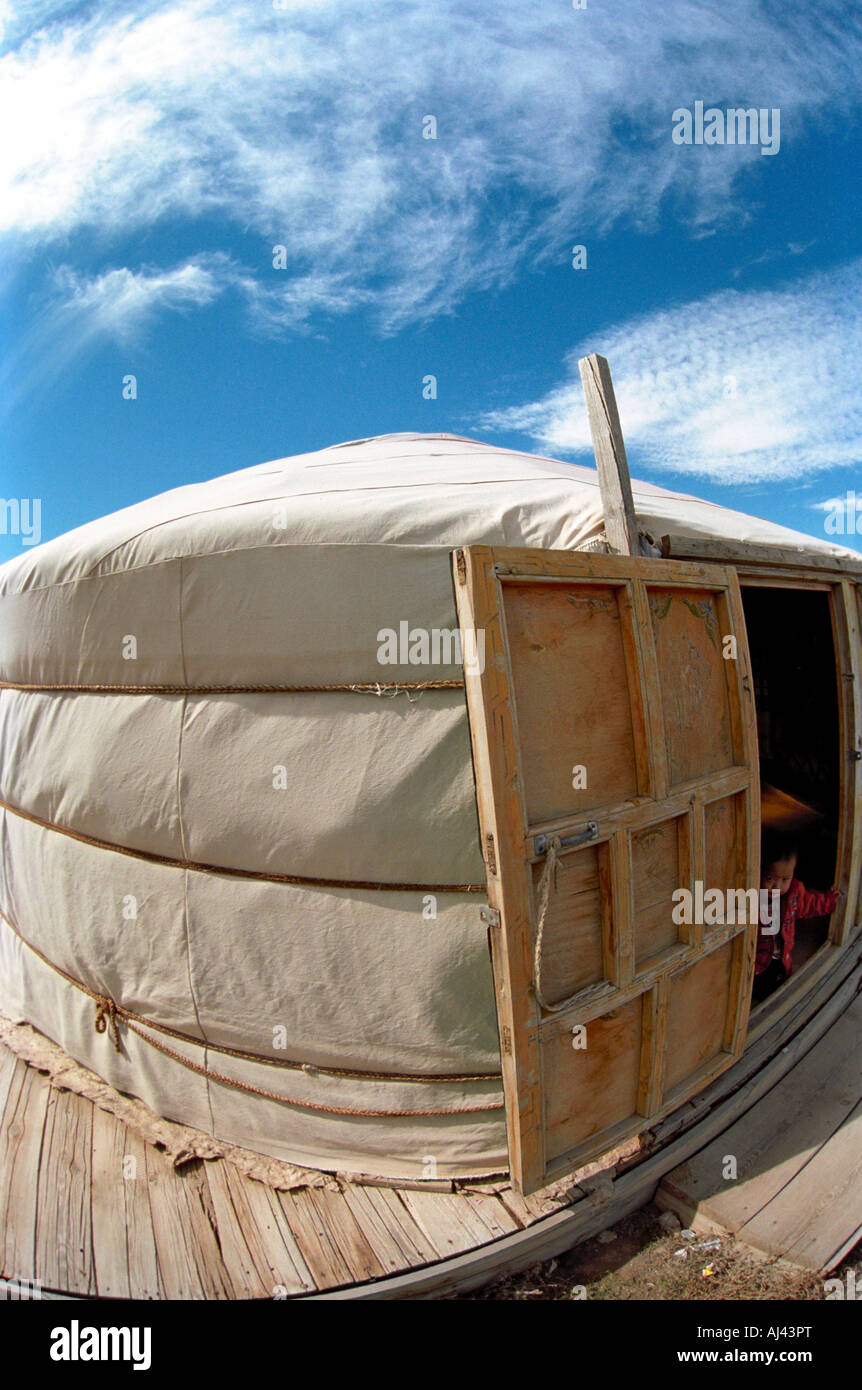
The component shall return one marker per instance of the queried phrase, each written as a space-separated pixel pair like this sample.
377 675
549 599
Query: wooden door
614 744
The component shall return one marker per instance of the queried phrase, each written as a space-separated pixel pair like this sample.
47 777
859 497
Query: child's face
777 877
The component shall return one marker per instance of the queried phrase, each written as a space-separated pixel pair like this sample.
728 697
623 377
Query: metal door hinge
491 916
490 853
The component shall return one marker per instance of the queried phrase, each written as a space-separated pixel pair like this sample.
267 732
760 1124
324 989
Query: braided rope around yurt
228 871
355 688
108 1012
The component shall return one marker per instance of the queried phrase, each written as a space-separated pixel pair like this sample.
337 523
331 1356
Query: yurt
339 793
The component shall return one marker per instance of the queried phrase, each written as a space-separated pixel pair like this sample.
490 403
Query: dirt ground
639 1259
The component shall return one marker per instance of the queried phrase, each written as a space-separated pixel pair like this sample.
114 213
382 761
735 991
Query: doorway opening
793 661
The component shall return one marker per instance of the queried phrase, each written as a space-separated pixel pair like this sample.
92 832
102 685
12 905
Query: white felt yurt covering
279 575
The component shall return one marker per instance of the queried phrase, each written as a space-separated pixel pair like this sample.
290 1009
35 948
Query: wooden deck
798 1193
78 1216
89 1208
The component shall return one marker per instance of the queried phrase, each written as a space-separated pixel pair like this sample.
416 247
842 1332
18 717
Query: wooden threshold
801 983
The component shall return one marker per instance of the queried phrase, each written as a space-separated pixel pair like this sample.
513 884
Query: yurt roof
400 489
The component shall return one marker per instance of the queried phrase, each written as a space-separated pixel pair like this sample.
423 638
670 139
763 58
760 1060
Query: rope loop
547 879
106 1012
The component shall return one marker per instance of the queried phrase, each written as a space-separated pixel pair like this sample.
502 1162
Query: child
774 959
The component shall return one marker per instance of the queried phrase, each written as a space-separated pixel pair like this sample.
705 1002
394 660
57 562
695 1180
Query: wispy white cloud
738 386
119 305
301 125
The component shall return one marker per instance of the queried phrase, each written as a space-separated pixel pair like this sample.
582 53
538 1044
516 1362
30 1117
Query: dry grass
640 1262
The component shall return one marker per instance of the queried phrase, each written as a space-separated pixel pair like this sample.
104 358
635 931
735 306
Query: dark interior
795 690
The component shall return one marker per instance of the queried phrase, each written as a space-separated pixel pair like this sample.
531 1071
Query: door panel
615 754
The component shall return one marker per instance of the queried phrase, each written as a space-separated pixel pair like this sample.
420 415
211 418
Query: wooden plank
777 1139
20 1148
644 710
145 1280
741 976
190 1261
723 835
766 577
817 1217
609 447
634 817
492 1212
240 1247
387 1236
524 565
124 1245
450 1224
697 698
344 1229
693 867
397 1240
320 1251
8 1066
557 638
590 1090
64 1240
658 866
697 1015
498 788
108 1208
617 926
651 1079
645 684
402 1215
723 551
274 1247
528 1210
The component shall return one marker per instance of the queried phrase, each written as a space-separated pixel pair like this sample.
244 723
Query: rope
549 874
303 1104
356 688
257 875
108 1011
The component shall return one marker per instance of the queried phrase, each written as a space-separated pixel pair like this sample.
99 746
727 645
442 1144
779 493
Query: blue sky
160 151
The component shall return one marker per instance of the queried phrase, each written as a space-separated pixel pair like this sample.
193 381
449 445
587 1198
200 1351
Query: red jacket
798 902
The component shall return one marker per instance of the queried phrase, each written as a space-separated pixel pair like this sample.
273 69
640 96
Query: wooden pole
620 522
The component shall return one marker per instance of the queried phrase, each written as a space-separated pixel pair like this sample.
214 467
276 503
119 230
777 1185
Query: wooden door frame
845 597
845 625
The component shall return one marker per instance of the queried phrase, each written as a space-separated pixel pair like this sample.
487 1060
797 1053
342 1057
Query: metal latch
540 842
491 916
